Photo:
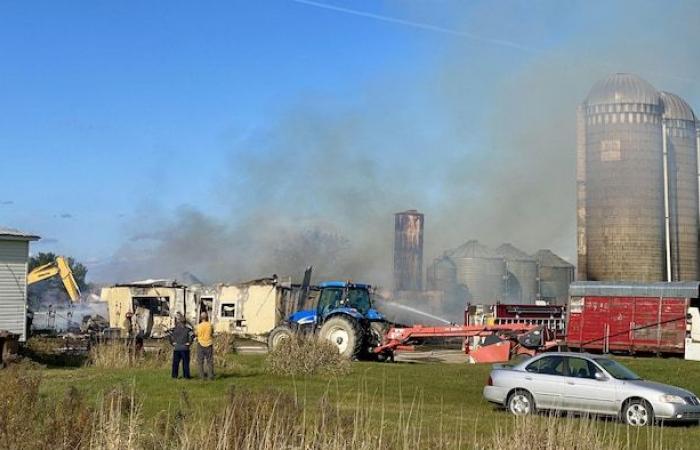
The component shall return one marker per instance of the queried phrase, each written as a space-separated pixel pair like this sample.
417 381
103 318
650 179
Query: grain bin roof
11 234
547 258
622 88
510 252
676 108
472 249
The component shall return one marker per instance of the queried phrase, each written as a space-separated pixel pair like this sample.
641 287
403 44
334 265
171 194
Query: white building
14 255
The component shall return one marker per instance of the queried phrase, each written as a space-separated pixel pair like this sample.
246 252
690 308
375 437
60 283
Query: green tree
79 269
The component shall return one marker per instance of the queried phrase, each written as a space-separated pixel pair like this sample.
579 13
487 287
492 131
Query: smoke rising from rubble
484 150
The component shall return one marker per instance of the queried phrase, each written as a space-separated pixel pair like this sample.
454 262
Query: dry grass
223 346
553 432
117 422
29 421
268 420
302 356
19 398
122 354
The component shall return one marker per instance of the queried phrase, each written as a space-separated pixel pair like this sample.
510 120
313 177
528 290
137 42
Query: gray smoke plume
482 142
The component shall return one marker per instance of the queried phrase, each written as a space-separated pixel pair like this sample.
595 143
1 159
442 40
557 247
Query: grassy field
432 396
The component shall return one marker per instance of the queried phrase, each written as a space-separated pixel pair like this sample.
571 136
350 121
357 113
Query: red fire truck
633 317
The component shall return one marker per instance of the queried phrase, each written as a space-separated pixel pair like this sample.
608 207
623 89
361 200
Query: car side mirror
600 377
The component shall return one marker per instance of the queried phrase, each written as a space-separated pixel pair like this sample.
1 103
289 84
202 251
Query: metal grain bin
481 271
521 279
681 145
621 194
442 275
555 276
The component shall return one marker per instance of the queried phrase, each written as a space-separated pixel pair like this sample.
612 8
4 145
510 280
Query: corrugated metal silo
622 182
482 271
681 145
555 275
521 279
442 275
408 251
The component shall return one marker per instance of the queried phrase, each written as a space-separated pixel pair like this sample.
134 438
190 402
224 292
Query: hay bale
306 356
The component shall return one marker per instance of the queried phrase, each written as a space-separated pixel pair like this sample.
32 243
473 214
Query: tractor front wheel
344 333
278 335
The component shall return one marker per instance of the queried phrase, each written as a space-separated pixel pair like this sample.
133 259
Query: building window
158 306
228 310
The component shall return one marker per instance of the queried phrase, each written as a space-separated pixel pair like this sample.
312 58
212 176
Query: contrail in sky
459 33
419 25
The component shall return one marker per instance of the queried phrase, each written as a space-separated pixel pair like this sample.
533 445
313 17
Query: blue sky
114 116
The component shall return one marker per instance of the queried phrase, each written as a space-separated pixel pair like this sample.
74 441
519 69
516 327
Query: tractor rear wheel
344 333
278 335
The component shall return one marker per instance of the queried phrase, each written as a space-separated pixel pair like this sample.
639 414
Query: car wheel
520 403
638 413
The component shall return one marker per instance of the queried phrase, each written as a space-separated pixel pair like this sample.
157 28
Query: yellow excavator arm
61 268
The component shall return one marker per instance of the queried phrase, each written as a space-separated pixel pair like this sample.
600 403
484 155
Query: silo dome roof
676 108
622 88
509 251
472 249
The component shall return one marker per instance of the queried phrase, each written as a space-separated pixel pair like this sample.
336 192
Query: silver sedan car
589 384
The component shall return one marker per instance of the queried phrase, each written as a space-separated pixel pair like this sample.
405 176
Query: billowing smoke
482 142
52 308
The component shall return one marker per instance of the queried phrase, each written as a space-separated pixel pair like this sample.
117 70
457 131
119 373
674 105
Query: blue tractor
344 315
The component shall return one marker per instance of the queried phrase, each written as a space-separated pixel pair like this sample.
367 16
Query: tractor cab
339 297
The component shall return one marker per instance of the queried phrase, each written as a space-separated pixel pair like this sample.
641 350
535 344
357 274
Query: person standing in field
181 340
205 347
128 325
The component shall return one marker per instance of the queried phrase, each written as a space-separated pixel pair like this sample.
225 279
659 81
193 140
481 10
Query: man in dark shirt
181 339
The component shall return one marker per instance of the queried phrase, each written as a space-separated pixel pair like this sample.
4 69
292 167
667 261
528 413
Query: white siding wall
13 286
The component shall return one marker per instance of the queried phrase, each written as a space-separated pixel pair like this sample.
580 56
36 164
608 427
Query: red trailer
629 317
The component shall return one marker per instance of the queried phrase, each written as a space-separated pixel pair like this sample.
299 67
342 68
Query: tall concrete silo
620 195
554 276
680 141
408 251
521 275
482 271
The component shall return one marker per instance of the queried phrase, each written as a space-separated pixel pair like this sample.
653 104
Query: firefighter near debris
205 347
181 340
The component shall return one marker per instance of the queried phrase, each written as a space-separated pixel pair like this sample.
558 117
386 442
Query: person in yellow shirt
205 347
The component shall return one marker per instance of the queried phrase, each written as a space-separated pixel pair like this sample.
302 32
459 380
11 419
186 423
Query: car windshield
616 369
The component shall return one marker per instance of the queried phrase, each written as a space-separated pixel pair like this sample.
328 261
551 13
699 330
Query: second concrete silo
620 191
521 279
481 271
554 274
680 142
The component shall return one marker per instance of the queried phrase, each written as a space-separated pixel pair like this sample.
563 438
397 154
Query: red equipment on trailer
552 317
503 341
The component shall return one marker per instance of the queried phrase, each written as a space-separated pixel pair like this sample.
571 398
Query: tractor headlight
672 399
